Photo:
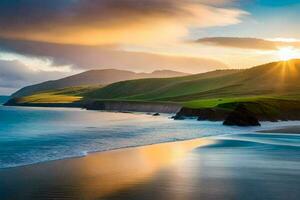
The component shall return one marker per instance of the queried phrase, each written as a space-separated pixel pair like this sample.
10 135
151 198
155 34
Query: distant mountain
94 77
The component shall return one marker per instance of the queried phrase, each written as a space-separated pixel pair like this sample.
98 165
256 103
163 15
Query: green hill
273 79
63 96
271 91
93 77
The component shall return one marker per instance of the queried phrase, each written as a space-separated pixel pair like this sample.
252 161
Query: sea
32 135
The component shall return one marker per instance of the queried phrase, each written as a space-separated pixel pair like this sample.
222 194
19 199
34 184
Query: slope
93 77
273 79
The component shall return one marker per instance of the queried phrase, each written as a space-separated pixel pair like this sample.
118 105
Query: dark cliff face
132 106
210 114
241 116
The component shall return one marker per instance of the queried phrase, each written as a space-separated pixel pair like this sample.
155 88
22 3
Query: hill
270 91
277 79
93 77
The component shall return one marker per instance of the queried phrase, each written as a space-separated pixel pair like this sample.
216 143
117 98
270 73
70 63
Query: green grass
274 79
65 95
211 103
49 98
264 89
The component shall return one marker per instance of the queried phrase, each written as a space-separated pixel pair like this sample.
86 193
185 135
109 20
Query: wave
42 135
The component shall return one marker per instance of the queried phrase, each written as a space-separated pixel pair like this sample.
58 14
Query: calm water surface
236 163
32 135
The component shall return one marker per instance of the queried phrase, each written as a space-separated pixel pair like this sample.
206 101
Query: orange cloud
249 43
94 22
101 57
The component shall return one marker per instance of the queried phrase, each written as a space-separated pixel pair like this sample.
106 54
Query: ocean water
33 135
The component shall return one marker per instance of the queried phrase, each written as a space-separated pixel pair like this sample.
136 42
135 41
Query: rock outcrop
210 114
241 116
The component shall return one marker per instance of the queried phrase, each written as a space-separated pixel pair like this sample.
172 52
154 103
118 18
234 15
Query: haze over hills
94 77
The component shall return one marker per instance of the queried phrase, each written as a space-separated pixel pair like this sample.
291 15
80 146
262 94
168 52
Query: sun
287 53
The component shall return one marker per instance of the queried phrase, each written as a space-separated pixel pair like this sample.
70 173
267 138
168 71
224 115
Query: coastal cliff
14 102
213 96
271 110
123 106
119 106
279 110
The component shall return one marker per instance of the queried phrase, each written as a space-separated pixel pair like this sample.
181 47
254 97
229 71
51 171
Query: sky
51 39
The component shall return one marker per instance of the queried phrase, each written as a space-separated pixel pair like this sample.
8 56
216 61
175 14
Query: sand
249 166
93 176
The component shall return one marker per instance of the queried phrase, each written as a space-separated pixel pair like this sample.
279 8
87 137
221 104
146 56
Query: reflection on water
247 167
34 135
96 175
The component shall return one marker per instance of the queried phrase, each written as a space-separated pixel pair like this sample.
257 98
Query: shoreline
180 112
115 170
117 106
287 130
205 168
82 153
86 154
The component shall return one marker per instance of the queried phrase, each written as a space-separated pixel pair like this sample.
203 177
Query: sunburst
287 53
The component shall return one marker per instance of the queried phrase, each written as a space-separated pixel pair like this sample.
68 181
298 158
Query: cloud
110 21
248 43
14 74
100 57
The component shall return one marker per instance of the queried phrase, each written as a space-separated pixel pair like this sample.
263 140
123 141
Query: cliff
123 106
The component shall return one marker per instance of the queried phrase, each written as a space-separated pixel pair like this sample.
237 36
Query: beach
64 153
94 176
245 166
149 100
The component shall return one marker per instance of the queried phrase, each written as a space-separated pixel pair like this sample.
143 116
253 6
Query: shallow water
238 166
33 135
247 166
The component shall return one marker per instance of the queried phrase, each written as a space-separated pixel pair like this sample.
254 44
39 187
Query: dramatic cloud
248 43
99 57
14 74
86 34
110 21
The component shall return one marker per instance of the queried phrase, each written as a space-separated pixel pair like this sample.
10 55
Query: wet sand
249 166
95 176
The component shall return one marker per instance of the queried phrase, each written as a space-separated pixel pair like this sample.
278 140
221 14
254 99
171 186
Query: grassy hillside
93 77
267 90
65 95
271 80
161 89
